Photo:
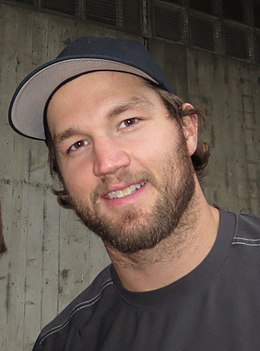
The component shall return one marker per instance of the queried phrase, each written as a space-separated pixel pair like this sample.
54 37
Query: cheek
78 177
159 146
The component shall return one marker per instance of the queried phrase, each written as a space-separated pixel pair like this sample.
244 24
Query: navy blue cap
83 55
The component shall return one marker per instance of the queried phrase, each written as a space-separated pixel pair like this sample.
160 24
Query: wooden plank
50 264
2 239
34 269
6 196
7 84
16 245
255 79
39 39
17 268
60 32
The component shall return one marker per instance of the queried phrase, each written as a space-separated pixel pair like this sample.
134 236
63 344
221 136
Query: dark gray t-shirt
216 307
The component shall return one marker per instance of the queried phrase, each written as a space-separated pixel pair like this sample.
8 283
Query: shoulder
247 230
86 302
241 226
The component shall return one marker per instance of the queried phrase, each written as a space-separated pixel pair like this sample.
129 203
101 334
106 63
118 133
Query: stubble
134 229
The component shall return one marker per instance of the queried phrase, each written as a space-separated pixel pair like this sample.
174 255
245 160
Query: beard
133 229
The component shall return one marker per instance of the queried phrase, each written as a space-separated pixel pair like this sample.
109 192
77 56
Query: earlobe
190 128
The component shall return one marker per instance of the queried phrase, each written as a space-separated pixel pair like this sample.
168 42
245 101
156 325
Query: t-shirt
216 307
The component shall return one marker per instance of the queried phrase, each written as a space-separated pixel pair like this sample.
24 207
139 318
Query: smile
124 192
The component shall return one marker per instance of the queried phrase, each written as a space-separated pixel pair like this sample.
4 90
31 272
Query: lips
118 194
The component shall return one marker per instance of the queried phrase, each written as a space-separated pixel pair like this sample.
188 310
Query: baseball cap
84 55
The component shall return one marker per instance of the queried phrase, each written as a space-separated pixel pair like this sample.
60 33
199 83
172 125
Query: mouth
124 192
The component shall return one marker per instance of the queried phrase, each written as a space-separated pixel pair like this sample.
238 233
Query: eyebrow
115 111
129 105
59 138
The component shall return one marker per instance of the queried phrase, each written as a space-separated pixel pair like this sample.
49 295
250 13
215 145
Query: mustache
124 176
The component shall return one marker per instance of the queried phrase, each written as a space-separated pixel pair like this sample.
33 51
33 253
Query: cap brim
28 103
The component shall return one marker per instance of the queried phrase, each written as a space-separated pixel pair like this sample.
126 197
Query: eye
128 123
78 145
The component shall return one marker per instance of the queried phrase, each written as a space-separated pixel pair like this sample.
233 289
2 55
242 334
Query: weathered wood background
50 256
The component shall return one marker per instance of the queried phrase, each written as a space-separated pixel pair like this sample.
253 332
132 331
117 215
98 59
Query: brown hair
173 104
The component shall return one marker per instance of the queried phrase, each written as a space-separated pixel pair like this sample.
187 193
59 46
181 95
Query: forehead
98 90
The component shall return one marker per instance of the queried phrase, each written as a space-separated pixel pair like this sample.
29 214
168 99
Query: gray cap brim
27 106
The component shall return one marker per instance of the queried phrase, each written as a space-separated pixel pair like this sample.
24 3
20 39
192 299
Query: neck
173 257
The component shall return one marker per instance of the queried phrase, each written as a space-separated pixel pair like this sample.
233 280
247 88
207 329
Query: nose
108 157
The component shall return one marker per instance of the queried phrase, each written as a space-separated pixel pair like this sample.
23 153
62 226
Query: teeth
124 192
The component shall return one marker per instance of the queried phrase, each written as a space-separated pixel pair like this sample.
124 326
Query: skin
110 130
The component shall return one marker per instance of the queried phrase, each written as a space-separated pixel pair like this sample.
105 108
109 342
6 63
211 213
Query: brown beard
140 229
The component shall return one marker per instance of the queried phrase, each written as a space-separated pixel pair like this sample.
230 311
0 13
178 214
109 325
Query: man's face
123 160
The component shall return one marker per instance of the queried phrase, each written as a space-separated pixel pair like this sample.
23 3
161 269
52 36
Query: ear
190 129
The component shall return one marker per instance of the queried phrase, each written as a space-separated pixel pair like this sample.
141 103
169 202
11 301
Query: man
184 275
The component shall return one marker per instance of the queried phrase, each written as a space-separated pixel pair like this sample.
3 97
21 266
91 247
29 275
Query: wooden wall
229 90
50 256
